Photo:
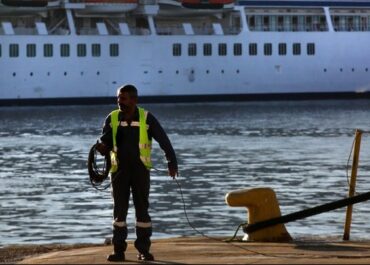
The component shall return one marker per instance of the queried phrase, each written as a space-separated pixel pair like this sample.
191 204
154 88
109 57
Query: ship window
207 49
48 50
81 50
267 48
64 50
95 50
13 50
31 50
237 49
296 48
252 48
311 48
282 48
222 49
192 49
176 49
114 50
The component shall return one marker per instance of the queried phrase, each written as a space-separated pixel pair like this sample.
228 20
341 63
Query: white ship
80 51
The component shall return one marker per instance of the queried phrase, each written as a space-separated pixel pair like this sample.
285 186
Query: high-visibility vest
145 145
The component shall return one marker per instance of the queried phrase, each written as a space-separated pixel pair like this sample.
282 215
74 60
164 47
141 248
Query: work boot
145 257
116 256
118 253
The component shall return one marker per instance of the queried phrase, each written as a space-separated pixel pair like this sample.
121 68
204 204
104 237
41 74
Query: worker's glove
102 148
172 170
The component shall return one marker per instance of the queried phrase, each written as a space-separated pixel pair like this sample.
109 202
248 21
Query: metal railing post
352 184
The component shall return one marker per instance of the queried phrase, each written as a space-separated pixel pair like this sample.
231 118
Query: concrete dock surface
196 250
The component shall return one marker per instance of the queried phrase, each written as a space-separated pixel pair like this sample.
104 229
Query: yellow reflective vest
145 145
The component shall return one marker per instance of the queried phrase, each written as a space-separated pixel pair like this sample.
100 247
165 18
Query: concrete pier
196 250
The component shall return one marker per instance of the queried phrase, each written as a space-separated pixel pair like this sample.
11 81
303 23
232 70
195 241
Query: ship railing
297 27
232 30
139 31
173 30
57 28
351 23
198 30
114 27
203 30
147 2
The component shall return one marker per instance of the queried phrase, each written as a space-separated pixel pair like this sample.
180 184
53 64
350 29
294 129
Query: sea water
299 148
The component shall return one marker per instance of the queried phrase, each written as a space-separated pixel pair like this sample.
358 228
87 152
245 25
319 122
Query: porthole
222 71
160 71
31 74
237 71
48 73
353 69
81 73
366 69
145 72
65 73
341 69
14 74
207 71
177 72
324 69
97 73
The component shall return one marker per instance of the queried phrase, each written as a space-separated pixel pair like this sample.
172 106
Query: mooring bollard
262 205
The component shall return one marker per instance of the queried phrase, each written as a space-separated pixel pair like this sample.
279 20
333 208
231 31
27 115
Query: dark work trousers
134 177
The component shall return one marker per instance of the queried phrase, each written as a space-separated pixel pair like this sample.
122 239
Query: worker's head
127 97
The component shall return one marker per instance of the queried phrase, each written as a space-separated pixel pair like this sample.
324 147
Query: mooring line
213 238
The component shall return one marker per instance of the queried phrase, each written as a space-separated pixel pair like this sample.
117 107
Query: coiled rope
98 175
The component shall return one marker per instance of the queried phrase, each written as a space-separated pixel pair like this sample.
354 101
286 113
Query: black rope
98 175
229 241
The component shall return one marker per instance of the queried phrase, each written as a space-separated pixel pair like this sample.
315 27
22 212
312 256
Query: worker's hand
172 172
102 148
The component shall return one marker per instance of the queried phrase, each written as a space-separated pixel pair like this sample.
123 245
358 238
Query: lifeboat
206 4
107 6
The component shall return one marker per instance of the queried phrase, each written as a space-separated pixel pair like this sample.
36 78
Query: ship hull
339 66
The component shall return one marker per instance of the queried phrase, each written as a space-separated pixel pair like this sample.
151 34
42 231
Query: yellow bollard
262 205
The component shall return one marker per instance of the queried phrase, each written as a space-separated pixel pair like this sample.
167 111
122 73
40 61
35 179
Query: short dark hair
130 89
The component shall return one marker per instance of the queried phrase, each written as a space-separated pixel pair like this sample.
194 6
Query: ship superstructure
83 50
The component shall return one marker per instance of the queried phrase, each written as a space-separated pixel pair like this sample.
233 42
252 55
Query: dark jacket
128 139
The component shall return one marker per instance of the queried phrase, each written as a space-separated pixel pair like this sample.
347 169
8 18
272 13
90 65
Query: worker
136 129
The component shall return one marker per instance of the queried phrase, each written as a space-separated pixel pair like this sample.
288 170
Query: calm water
300 149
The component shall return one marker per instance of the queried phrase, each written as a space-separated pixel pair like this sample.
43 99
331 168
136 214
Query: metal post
352 184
